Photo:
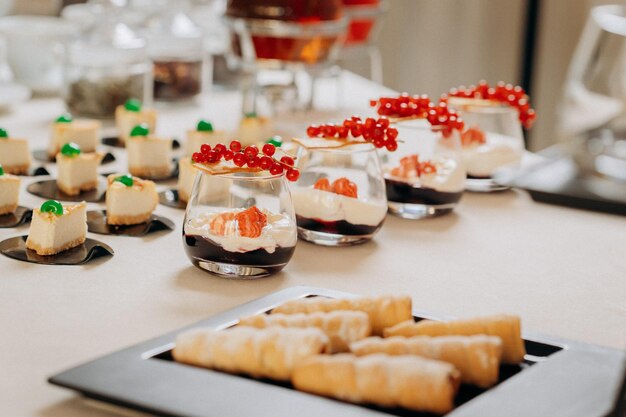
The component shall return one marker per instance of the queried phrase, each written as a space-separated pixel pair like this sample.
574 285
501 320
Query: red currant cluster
514 96
250 156
376 131
403 106
445 118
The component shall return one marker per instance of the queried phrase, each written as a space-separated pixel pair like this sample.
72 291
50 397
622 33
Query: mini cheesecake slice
254 129
131 114
213 189
9 192
85 133
77 171
129 200
14 154
148 156
203 133
56 227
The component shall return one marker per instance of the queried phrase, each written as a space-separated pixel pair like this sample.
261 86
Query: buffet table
562 270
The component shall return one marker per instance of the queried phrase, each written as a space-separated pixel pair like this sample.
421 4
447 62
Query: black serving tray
558 378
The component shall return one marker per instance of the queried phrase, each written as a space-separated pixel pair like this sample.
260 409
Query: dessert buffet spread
242 217
248 197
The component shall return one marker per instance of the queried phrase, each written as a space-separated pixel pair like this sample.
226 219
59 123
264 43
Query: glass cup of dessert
240 220
493 138
340 197
426 176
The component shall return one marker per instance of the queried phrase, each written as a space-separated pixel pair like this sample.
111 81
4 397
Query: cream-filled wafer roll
476 357
506 327
407 381
384 311
262 353
341 327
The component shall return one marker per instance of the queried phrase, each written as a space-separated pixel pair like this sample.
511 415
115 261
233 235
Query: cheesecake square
9 193
254 129
149 156
56 228
85 133
14 155
129 200
126 119
78 173
214 187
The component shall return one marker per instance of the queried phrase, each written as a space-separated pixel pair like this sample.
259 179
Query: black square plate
558 378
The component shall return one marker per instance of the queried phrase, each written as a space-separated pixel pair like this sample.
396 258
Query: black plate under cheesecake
21 216
97 223
91 249
48 189
557 378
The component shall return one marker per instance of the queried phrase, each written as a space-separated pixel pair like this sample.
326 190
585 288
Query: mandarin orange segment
473 135
251 222
344 186
323 184
220 222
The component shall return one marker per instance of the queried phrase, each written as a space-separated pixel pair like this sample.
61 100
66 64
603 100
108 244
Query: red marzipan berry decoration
376 131
249 156
403 106
514 96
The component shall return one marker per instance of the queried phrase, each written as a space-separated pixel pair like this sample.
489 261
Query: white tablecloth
563 270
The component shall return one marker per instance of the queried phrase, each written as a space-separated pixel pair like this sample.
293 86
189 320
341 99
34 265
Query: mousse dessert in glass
494 117
245 227
426 176
340 196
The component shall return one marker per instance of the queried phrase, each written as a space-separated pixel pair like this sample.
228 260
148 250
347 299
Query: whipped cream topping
279 231
484 159
327 206
449 178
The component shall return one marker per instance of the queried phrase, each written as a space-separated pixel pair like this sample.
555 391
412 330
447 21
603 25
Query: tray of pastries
317 352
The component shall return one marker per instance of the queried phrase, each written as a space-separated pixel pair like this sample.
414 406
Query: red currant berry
276 169
384 122
392 133
269 149
235 146
253 161
251 151
212 157
342 132
313 131
391 145
228 155
239 159
220 148
266 162
197 157
287 160
205 149
293 174
373 103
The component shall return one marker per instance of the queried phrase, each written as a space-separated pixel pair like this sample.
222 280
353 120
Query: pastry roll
410 382
476 357
341 327
262 353
384 311
506 327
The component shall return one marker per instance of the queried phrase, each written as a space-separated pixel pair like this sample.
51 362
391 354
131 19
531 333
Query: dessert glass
425 177
240 225
330 210
493 139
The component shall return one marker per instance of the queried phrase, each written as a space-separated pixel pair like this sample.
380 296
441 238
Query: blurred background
430 46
